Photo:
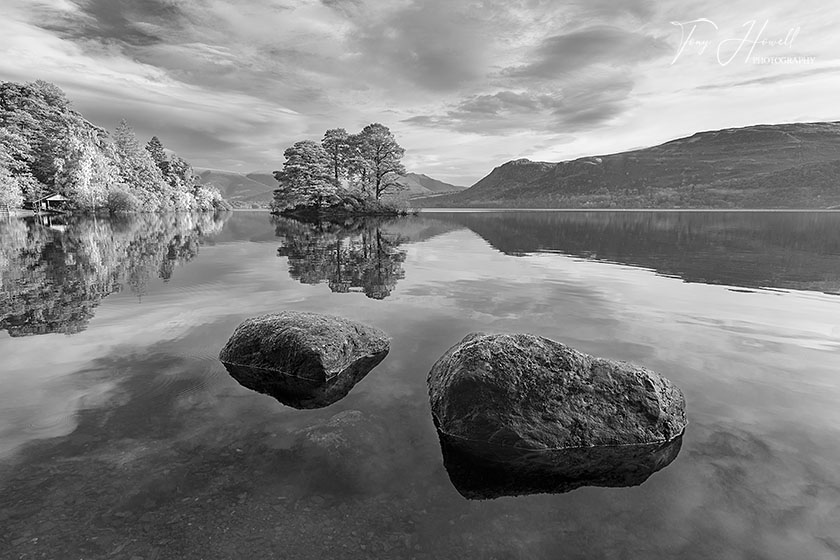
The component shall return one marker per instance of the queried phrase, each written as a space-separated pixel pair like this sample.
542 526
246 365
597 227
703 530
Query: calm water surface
122 436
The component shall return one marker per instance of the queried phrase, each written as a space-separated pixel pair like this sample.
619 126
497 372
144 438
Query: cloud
125 22
771 79
578 49
412 44
232 84
579 105
574 81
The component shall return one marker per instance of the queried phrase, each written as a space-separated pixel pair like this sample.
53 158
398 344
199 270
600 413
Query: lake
122 435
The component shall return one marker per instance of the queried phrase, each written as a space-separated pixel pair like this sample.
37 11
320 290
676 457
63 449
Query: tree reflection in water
54 273
353 256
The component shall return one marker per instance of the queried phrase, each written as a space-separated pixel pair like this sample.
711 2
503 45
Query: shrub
121 201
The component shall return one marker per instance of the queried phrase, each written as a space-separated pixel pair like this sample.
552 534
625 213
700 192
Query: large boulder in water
526 391
304 360
518 413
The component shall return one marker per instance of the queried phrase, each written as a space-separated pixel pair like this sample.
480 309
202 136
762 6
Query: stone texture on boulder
529 392
304 360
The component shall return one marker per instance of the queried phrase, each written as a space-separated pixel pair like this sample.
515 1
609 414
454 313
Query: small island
343 176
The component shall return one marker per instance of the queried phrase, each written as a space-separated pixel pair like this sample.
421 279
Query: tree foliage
306 178
86 172
11 193
336 144
380 150
46 146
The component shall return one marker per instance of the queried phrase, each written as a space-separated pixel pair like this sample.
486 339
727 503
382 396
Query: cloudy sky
464 84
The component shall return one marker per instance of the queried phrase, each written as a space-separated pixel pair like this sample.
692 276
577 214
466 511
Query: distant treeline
342 165
47 147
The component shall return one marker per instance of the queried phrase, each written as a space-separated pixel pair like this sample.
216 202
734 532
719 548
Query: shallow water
121 435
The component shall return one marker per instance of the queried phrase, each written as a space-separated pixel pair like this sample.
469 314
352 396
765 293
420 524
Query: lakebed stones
304 360
349 450
535 410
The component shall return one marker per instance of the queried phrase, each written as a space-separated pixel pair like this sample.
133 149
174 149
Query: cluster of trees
46 146
320 174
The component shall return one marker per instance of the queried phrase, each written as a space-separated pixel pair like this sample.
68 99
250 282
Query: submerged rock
485 471
525 391
346 433
304 360
346 452
522 414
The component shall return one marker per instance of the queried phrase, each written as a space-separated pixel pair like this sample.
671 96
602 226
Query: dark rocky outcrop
304 360
535 415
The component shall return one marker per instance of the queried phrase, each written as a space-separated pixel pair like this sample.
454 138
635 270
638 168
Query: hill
764 166
239 189
266 178
245 190
417 184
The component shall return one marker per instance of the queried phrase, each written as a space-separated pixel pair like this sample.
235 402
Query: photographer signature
729 48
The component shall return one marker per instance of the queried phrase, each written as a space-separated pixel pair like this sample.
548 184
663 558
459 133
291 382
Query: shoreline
686 210
417 211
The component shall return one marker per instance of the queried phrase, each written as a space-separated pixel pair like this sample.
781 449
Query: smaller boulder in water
304 360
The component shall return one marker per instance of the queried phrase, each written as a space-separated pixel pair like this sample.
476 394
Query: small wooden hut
53 202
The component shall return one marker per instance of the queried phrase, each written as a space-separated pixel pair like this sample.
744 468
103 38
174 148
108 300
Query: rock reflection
354 256
54 273
480 471
301 393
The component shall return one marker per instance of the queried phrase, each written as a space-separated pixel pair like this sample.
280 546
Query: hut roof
53 196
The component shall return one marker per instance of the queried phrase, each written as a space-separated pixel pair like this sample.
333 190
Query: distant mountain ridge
418 184
237 188
257 188
764 166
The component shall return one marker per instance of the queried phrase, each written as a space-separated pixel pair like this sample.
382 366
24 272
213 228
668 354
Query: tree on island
380 150
349 167
336 144
306 178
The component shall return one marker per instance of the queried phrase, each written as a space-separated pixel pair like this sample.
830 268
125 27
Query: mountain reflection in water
788 250
53 274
